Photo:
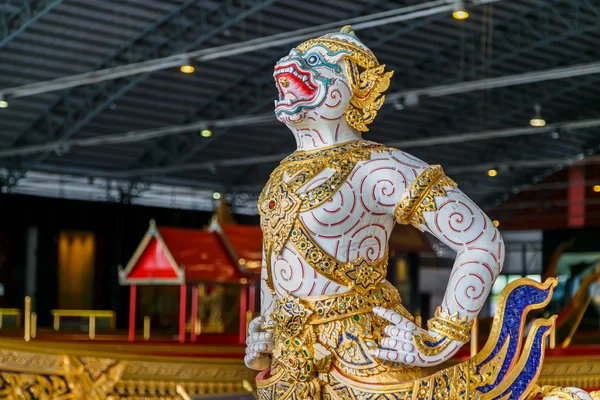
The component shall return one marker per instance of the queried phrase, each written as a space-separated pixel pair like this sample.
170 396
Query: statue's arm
259 343
431 202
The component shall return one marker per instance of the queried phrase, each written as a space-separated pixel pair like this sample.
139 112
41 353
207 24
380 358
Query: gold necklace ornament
280 205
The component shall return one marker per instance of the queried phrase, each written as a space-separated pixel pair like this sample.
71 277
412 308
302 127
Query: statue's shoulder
399 159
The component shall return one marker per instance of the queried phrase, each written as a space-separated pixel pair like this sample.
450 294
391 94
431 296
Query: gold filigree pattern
315 335
32 387
290 315
420 196
430 346
279 209
451 326
359 275
332 307
280 204
92 378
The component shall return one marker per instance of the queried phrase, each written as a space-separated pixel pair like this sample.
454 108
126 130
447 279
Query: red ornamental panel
153 263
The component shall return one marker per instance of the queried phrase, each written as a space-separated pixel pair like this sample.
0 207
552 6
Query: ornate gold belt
291 314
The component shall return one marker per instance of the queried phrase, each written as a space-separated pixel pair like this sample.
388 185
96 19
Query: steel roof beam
502 81
67 116
13 23
516 102
513 27
431 141
364 22
150 134
518 35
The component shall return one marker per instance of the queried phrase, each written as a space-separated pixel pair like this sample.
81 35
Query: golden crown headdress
368 79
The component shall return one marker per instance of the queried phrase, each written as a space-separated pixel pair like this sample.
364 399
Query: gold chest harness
280 206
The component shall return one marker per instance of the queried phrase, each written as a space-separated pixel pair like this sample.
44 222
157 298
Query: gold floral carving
359 275
571 371
70 377
92 378
281 207
16 360
32 387
282 201
451 326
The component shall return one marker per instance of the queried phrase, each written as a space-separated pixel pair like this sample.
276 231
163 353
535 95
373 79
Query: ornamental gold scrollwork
420 196
451 326
92 378
32 387
281 202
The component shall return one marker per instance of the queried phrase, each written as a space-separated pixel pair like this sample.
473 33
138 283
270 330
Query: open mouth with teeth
297 88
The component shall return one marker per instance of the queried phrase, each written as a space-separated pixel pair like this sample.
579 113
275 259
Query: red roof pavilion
226 253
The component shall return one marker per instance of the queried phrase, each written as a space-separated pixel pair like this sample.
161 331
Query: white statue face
312 86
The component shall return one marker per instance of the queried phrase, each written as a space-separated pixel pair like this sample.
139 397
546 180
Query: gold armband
420 196
451 326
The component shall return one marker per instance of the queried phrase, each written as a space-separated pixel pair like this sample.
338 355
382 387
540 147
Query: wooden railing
15 312
90 314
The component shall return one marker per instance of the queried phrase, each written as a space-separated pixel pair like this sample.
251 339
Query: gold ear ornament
368 79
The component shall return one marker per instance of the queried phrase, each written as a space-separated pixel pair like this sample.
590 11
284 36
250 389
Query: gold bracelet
420 196
451 326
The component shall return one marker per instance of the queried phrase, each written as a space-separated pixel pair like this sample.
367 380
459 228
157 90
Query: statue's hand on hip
400 344
259 346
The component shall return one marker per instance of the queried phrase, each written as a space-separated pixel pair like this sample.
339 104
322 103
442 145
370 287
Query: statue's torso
350 223
345 228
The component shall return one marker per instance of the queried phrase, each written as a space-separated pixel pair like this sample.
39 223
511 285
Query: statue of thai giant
332 327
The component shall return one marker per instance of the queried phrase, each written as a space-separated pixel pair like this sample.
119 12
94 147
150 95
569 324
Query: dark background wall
118 229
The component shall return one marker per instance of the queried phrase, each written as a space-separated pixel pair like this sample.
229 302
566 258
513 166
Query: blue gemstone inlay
518 299
434 344
529 372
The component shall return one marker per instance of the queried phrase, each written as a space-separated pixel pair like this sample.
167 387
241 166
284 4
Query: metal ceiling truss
586 154
244 97
516 100
175 33
421 10
519 34
254 99
507 36
14 20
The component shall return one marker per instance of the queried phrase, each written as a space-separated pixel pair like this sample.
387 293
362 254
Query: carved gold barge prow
36 371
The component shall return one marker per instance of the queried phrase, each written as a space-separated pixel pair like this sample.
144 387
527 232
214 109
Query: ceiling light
216 195
206 133
187 69
597 188
492 172
496 223
3 104
460 12
537 119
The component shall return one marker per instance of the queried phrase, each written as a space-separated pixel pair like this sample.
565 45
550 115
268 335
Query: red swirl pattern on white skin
357 222
462 226
353 223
